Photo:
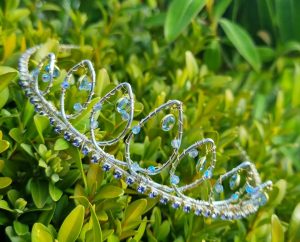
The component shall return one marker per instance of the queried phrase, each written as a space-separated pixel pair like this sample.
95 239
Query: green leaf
54 192
7 75
16 134
39 192
242 42
20 228
179 15
5 182
141 230
294 228
4 94
109 191
61 144
96 234
277 230
164 230
41 123
133 213
40 233
4 205
71 227
3 145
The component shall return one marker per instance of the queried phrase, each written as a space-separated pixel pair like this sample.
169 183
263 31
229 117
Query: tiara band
244 200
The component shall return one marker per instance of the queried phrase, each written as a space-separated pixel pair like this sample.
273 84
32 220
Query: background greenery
234 64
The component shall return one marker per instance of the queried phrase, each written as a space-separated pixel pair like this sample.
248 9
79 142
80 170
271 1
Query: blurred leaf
3 145
70 229
179 15
277 230
40 233
5 182
294 228
39 192
7 75
242 42
20 228
4 94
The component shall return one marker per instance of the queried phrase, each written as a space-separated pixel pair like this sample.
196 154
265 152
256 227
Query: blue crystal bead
85 85
174 179
186 208
85 150
250 189
219 188
168 122
52 121
208 174
47 68
57 129
94 124
206 213
135 166
67 136
262 199
234 181
129 180
175 143
124 115
117 174
235 196
122 104
153 194
45 77
106 167
198 212
175 205
77 107
65 84
151 169
56 72
163 200
76 142
141 189
98 106
94 159
136 129
193 153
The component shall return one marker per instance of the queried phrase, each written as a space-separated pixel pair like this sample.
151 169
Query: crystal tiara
246 191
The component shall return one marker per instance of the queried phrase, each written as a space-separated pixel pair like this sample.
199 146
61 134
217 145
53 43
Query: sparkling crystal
207 213
85 150
208 174
57 129
56 72
175 205
85 85
129 180
186 208
201 163
219 188
46 77
65 84
193 153
168 122
76 142
198 212
141 189
174 179
250 189
94 124
122 104
235 196
175 143
262 199
234 181
77 107
94 158
163 200
52 121
47 68
67 136
125 115
136 129
117 174
135 166
106 167
151 169
98 106
153 194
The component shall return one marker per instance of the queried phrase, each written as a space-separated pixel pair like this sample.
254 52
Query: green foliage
234 64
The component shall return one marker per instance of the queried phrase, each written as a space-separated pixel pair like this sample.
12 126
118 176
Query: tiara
233 195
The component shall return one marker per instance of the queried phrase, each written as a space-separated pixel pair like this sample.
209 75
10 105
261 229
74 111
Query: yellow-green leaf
109 191
41 123
3 145
277 230
294 228
134 211
71 227
5 182
61 144
40 233
7 75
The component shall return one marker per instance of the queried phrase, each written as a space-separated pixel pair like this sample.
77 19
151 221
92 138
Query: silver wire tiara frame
244 200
